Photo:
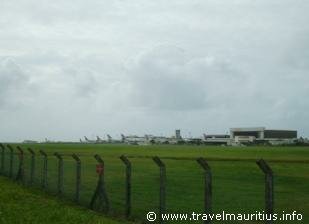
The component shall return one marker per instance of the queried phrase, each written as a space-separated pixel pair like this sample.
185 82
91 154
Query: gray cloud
14 83
75 67
160 82
166 78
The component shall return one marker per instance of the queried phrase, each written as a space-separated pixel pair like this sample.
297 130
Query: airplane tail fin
205 136
109 138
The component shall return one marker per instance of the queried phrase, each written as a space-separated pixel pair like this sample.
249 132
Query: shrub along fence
86 182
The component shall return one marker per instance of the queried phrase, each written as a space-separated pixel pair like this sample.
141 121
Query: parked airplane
109 138
100 140
134 140
89 141
48 141
216 139
148 139
123 138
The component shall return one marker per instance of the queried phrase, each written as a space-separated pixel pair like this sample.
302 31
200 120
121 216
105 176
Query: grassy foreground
238 184
25 206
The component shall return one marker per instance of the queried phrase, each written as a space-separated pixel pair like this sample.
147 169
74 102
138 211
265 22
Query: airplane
89 141
99 140
47 141
123 138
158 139
133 140
148 139
109 139
216 139
50 141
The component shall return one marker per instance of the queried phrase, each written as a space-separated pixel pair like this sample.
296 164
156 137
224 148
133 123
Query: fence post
127 163
32 166
162 206
78 177
44 170
269 189
11 160
2 157
100 192
208 187
60 173
20 172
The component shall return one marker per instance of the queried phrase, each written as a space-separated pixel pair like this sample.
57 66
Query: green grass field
29 206
238 184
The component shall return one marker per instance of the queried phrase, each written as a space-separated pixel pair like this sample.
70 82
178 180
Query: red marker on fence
100 169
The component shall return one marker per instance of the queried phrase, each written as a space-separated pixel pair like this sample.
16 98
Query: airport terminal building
239 135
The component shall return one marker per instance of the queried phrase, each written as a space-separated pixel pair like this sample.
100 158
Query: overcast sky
75 68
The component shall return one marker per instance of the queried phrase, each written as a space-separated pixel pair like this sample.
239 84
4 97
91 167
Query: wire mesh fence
130 187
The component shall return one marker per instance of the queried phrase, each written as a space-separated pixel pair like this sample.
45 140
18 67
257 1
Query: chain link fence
129 186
